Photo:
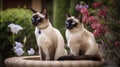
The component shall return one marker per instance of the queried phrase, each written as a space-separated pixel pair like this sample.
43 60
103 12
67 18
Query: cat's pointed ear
33 10
68 15
44 12
79 17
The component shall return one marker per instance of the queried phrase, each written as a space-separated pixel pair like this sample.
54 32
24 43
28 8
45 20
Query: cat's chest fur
81 37
46 34
70 35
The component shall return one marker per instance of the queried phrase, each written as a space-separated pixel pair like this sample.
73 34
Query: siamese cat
49 40
81 42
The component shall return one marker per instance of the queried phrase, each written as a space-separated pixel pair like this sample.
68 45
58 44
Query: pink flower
103 12
99 29
92 19
103 29
84 11
84 19
96 33
95 25
117 43
97 4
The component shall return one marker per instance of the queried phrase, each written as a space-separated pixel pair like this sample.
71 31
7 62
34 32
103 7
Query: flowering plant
18 48
99 21
15 28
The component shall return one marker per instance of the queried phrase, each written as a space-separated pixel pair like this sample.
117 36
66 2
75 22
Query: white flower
19 51
18 45
31 51
24 40
15 28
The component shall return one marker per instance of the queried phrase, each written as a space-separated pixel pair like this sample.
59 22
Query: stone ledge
34 61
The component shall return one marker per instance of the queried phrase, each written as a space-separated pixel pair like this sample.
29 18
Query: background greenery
59 12
21 17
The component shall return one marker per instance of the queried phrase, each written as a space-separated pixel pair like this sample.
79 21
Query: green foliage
60 9
73 3
49 6
21 17
115 26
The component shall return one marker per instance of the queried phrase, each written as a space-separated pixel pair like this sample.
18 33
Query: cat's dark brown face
38 17
72 22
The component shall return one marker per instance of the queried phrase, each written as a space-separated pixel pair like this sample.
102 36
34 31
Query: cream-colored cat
49 39
81 42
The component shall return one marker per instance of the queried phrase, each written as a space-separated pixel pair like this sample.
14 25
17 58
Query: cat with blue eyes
49 40
81 42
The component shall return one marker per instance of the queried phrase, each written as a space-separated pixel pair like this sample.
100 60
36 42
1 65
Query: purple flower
78 7
18 45
19 51
31 51
18 48
85 6
81 6
106 45
102 47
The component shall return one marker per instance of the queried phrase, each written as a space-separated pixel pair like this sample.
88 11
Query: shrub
21 17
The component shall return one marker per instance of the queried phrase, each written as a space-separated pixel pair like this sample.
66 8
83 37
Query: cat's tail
83 57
